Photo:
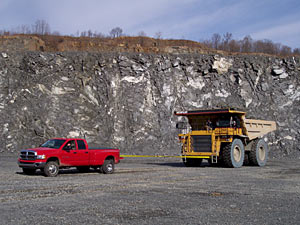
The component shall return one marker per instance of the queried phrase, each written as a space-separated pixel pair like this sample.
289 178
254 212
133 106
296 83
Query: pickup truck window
81 144
53 143
70 145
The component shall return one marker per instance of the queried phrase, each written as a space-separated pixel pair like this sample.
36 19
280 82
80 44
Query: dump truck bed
258 128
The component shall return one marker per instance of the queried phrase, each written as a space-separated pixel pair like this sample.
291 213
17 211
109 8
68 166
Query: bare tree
286 50
142 37
83 34
207 43
270 47
116 32
246 44
23 29
278 47
216 40
5 32
90 33
226 39
99 35
56 33
234 46
41 27
296 51
142 34
265 46
158 35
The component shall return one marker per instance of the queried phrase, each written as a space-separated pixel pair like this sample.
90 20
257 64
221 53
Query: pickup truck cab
59 153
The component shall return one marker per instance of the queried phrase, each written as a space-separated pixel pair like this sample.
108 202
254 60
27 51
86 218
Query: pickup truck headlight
41 157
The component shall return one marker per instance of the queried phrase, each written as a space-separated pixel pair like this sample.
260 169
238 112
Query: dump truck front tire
233 154
258 154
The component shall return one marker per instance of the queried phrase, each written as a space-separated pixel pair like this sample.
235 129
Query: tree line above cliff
249 45
224 42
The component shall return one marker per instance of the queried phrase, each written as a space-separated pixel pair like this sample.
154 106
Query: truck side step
214 159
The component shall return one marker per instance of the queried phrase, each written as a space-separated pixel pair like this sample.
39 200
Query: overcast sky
277 20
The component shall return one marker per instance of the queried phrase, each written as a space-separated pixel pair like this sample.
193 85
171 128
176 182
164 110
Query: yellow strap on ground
163 156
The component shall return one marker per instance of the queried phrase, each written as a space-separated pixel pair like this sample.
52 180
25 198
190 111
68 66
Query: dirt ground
153 191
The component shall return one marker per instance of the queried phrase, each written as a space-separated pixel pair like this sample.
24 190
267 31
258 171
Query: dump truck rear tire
258 154
233 154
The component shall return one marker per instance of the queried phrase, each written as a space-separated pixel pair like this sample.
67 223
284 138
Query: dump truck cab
223 135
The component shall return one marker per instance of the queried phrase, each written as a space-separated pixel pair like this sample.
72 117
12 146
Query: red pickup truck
67 152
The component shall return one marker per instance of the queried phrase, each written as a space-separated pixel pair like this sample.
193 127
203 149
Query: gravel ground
153 191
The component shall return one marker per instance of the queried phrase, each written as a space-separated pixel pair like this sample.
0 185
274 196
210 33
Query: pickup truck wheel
108 166
258 154
233 154
28 171
51 169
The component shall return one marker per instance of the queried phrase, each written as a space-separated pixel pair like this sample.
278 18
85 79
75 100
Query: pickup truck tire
51 169
233 154
258 154
28 171
108 166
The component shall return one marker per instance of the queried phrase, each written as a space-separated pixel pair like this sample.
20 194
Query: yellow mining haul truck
223 135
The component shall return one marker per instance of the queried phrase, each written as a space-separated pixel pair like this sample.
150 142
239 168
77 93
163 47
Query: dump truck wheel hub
261 153
237 153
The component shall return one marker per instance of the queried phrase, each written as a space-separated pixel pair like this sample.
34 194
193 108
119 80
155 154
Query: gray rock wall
128 100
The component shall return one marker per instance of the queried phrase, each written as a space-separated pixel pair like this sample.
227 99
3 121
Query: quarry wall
127 100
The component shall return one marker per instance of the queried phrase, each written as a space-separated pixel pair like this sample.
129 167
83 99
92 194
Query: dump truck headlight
41 157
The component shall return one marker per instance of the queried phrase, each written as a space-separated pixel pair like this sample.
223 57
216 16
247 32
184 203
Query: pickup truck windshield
53 143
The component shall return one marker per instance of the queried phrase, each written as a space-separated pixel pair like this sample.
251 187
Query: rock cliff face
128 100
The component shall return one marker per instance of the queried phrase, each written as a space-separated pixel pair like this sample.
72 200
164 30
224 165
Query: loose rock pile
128 100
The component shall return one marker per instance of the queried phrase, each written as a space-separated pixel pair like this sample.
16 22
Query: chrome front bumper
36 165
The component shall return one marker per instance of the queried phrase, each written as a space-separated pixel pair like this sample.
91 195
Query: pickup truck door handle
75 152
86 152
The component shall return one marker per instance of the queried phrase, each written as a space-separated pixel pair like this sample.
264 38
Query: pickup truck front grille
28 155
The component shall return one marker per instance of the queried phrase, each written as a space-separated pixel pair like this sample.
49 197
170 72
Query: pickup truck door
69 153
82 153
75 154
